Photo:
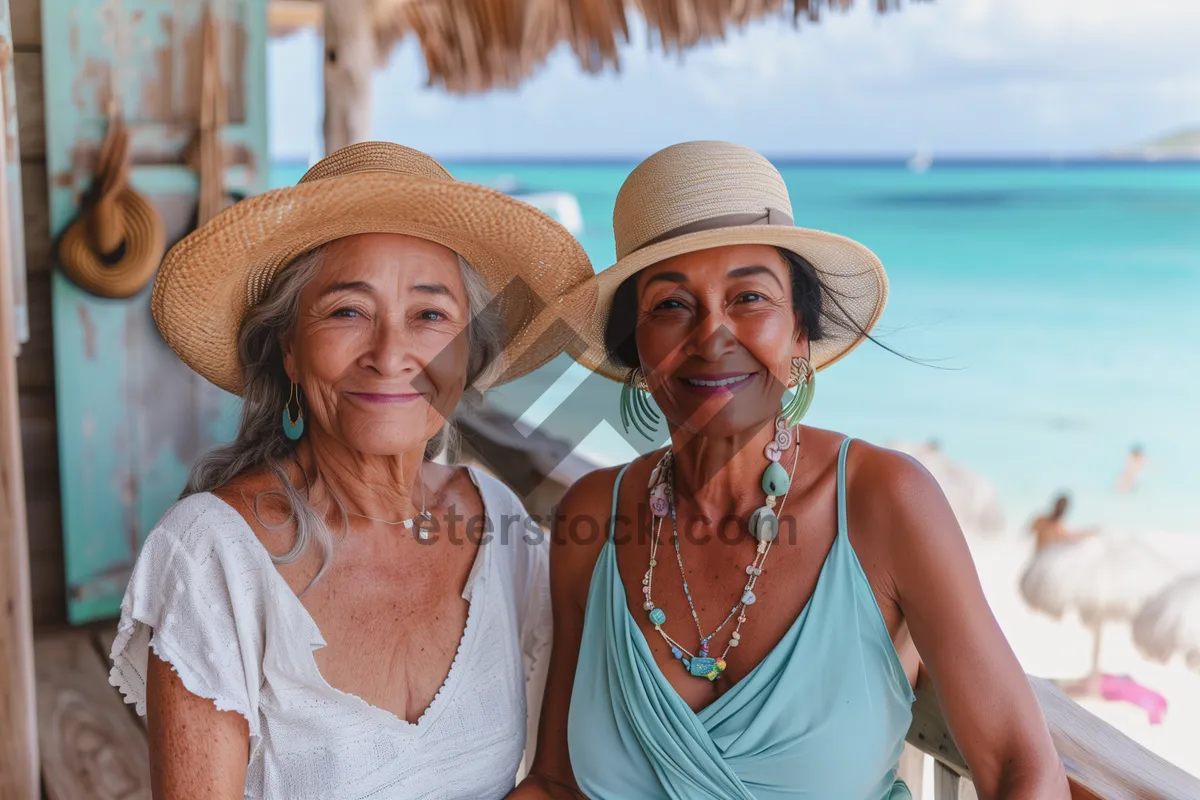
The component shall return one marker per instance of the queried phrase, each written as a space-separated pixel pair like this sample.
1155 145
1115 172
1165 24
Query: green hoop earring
293 429
635 404
805 380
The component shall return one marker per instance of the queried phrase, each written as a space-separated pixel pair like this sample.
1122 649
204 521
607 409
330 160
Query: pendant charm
775 479
772 451
701 667
764 525
783 438
658 500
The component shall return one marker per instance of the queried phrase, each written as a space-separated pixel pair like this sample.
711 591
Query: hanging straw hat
213 276
113 247
699 195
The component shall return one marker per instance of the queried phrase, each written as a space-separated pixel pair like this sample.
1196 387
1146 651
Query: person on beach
750 625
1050 530
327 613
1135 462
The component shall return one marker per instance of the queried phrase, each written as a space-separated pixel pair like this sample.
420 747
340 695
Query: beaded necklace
764 526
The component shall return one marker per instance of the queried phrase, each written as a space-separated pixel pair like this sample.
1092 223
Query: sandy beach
1062 649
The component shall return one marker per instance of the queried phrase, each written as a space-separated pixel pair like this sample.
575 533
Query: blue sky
1045 77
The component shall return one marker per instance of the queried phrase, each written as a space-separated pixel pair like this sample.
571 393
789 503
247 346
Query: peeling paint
132 417
88 328
170 91
92 87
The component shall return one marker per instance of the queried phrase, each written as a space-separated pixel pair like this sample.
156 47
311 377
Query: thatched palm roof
477 45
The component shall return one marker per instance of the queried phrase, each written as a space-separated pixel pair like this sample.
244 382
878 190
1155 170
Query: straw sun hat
698 195
211 278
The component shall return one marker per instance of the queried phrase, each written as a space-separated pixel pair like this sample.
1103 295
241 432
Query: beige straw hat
210 278
699 195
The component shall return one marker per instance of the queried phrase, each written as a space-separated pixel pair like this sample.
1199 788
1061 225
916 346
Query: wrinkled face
379 347
716 336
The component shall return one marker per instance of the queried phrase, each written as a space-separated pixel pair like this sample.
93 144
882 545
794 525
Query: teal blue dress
824 715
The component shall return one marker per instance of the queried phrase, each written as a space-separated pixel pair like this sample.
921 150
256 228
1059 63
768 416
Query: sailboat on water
922 160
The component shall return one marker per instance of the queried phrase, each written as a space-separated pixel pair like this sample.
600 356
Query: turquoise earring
805 380
635 405
293 429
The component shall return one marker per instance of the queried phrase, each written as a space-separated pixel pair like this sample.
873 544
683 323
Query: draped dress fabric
824 715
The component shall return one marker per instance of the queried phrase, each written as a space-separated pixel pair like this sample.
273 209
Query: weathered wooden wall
123 415
18 744
35 367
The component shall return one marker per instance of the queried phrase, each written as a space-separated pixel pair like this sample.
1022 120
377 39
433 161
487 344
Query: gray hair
261 443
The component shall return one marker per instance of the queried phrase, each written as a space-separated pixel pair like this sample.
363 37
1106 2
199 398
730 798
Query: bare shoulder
581 518
892 499
581 525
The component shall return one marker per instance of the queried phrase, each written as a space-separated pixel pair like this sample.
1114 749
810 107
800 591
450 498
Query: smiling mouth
717 384
373 397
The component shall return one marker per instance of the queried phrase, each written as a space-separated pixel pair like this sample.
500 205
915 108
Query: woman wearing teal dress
747 623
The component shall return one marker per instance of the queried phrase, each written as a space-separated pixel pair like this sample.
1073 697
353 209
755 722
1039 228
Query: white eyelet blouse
207 599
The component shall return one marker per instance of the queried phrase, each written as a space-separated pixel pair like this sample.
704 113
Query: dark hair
1061 503
620 339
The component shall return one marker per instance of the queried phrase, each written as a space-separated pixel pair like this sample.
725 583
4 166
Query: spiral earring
293 428
635 405
805 380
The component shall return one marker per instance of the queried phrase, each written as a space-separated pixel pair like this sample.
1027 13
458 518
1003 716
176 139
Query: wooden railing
1100 761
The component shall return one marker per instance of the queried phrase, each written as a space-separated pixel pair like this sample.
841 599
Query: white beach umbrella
973 497
1104 578
1170 623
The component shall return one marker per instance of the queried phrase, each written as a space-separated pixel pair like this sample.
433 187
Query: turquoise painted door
131 416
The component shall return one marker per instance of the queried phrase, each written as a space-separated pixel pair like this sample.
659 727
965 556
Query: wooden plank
945 782
1104 761
18 743
35 208
912 769
43 508
26 23
1099 760
31 109
929 732
90 746
10 151
35 365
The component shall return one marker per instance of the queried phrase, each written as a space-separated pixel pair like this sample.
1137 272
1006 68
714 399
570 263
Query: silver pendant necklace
422 516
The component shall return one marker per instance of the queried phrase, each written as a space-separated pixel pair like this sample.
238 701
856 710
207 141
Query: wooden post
350 58
912 769
945 782
18 723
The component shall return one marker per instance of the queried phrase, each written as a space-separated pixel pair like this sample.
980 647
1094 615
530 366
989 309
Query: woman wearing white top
326 613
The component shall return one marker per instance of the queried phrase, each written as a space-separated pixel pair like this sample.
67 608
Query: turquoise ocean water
1055 307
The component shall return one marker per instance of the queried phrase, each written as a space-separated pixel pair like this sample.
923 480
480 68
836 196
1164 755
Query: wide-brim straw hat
700 195
531 264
